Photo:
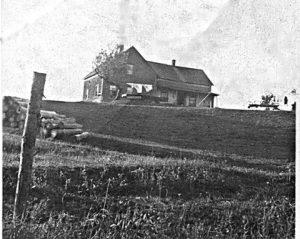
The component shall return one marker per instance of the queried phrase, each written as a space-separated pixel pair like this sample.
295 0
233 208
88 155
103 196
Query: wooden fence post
27 146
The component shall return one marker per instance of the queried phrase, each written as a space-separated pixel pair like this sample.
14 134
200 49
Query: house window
99 88
87 93
129 69
192 101
97 92
164 94
112 90
129 89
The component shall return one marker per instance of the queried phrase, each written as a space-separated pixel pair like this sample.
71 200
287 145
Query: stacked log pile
52 125
13 114
58 126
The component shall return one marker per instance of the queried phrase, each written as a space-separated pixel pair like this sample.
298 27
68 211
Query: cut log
69 121
13 113
23 104
44 121
18 118
22 116
18 109
10 101
82 136
11 119
23 110
13 124
5 108
50 126
21 125
51 121
47 112
51 115
45 133
55 133
72 126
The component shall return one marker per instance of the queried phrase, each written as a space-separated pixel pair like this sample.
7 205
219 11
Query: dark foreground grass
85 192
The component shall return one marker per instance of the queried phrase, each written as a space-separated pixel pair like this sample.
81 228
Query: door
180 98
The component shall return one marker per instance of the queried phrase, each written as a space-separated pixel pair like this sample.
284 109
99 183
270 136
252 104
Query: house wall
207 103
156 92
213 101
106 94
172 96
89 89
91 85
186 100
142 73
191 99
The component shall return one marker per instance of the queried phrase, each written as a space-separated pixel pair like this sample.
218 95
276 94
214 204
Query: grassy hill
266 134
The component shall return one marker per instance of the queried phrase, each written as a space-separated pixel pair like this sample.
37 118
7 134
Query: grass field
250 133
221 174
84 192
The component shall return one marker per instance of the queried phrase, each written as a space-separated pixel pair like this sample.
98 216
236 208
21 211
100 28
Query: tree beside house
127 72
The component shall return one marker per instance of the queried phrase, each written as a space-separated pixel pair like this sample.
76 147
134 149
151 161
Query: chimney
121 47
173 62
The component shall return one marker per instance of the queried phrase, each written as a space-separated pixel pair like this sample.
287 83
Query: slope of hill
250 133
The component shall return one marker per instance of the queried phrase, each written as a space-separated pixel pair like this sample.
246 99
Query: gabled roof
129 50
181 75
133 49
91 74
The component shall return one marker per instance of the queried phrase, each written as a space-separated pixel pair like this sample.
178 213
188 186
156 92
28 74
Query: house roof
180 74
91 74
176 76
182 86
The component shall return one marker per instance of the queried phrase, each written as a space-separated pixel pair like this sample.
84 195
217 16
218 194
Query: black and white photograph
150 119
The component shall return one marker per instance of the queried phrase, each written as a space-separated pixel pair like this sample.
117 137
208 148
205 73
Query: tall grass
85 192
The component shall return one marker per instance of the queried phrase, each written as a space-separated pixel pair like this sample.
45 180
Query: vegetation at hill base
81 191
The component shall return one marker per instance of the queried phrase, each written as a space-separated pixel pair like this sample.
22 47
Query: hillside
250 133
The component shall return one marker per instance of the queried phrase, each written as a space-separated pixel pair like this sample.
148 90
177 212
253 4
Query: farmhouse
171 84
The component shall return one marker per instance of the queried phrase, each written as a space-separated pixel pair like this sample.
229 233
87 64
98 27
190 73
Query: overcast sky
245 47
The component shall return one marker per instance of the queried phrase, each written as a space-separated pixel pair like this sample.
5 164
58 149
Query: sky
247 48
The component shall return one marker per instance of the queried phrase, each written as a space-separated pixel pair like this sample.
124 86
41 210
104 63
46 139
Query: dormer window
129 69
